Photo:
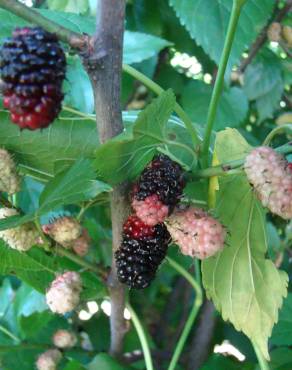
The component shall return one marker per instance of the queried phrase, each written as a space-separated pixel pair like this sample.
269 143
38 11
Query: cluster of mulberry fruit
32 65
145 238
157 220
271 177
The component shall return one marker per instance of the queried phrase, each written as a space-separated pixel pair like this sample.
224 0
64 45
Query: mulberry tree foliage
217 227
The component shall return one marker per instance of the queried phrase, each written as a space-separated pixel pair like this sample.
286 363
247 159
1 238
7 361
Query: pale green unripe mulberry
22 237
9 178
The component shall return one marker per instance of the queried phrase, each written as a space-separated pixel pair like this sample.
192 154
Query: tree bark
200 347
104 66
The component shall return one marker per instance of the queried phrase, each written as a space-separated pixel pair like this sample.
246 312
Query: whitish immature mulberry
158 190
32 65
274 32
64 293
49 360
9 178
269 173
22 237
64 230
64 339
196 233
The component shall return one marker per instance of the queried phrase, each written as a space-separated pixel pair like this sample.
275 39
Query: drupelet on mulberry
32 65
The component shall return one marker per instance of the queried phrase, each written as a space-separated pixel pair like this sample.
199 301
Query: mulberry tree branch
262 37
104 67
75 40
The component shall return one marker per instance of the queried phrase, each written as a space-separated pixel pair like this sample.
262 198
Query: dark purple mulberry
138 259
32 65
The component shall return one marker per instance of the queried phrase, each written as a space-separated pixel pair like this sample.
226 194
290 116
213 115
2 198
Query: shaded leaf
281 359
105 362
282 333
263 83
77 86
140 46
71 186
37 271
232 109
126 155
40 152
220 362
74 6
207 23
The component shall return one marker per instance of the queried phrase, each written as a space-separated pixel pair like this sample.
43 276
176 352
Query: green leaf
6 297
245 287
77 86
126 155
282 333
35 269
219 362
74 365
72 186
105 362
73 6
207 23
13 221
146 47
232 109
263 83
31 311
137 46
29 301
40 152
281 359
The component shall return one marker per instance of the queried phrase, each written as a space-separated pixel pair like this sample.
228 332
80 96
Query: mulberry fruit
64 230
64 339
9 178
32 65
271 178
22 237
64 293
196 233
274 32
81 245
158 190
142 250
49 360
287 35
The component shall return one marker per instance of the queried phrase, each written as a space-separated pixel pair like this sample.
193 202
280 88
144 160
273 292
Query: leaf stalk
233 22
